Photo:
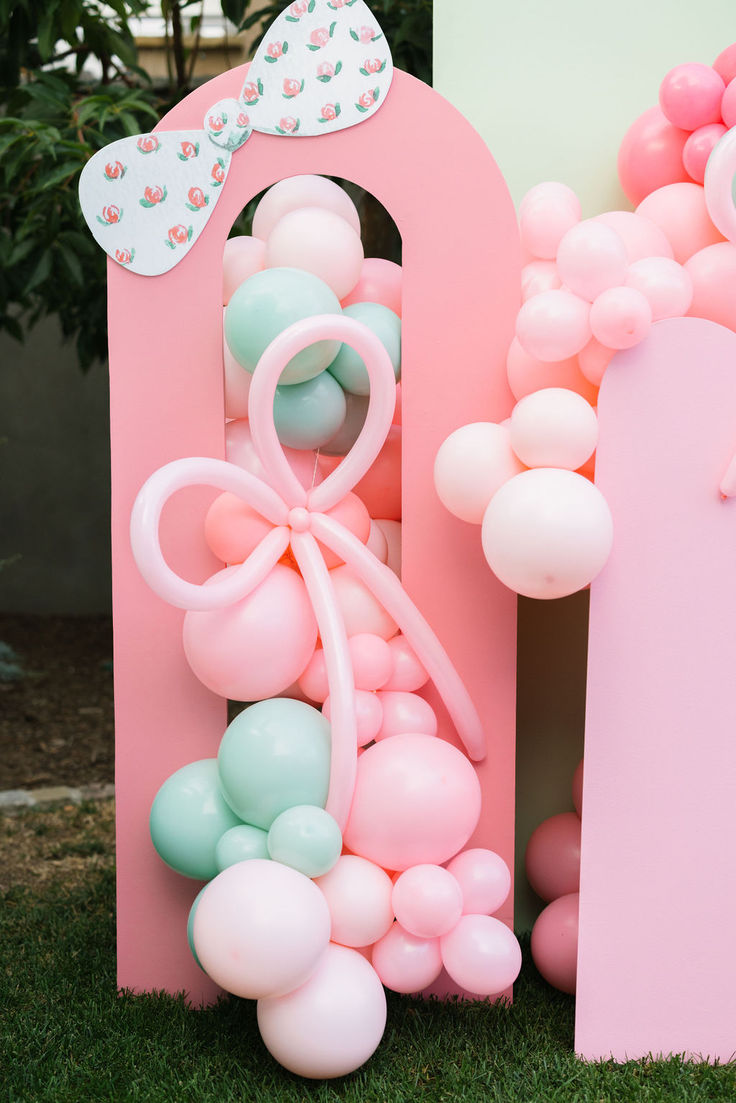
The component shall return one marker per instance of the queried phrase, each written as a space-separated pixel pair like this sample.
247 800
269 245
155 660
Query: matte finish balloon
380 487
273 755
237 385
380 282
591 257
651 155
358 894
552 859
306 838
347 367
538 276
332 1024
546 213
553 428
190 925
377 543
728 105
405 712
392 534
481 954
188 815
406 963
620 317
407 673
239 449
361 611
713 272
690 95
725 63
302 191
593 360
641 236
554 943
372 660
680 212
553 325
242 257
309 414
666 285
320 242
427 901
233 529
240 844
527 374
470 466
368 715
698 149
484 879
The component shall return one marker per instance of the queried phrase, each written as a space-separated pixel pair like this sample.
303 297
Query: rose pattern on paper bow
310 44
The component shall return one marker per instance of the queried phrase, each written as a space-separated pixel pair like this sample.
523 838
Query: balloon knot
299 519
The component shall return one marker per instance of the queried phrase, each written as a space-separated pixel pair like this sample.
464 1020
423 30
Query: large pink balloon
650 155
680 211
379 282
484 878
553 856
358 894
555 942
417 800
320 242
405 712
713 272
481 954
302 191
406 963
333 1023
470 466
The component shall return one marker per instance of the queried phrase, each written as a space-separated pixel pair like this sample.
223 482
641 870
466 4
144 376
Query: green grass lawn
65 1034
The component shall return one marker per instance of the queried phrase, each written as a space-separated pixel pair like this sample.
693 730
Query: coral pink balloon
260 928
257 646
690 95
481 954
526 374
728 105
620 317
405 712
379 282
407 672
406 963
361 611
591 257
699 147
680 211
553 856
641 236
358 894
239 450
725 63
666 285
427 901
553 325
547 533
538 276
352 515
554 428
392 534
380 488
368 715
302 191
650 155
319 242
484 878
233 529
332 1024
237 385
713 272
470 466
577 788
555 942
546 213
417 800
593 360
242 257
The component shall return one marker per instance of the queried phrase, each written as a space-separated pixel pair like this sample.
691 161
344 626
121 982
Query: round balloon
470 466
591 257
379 282
553 428
427 901
318 241
306 838
650 155
555 942
681 213
302 191
242 257
368 715
407 673
240 844
666 285
358 894
347 367
553 856
308 414
553 325
406 963
546 213
620 317
405 712
481 954
484 878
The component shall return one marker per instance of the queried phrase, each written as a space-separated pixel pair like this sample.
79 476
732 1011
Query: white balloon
471 464
554 428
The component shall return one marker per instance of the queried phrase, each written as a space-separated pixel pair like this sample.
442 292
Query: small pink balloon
593 360
620 317
725 64
554 428
553 325
313 679
577 788
728 105
407 672
484 878
538 276
376 543
320 242
372 660
713 272
379 282
553 856
239 450
690 95
470 466
427 901
555 942
361 611
358 894
526 374
405 712
237 385
591 257
546 213
242 257
666 285
481 954
392 534
406 963
380 488
368 715
302 191
650 155
680 211
699 147
641 236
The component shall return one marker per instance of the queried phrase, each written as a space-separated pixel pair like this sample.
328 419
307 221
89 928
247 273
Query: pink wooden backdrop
432 172
656 962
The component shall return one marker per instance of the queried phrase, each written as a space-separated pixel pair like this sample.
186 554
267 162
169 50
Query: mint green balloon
273 755
308 414
269 301
190 925
240 844
306 838
188 815
347 367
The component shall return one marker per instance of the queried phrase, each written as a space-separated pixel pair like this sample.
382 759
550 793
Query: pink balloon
257 646
407 672
368 715
358 894
484 878
302 191
379 282
666 285
352 515
538 276
553 325
313 679
377 543
405 712
591 257
239 449
320 242
725 64
372 660
332 1024
470 466
260 928
728 105
713 272
481 954
650 155
641 236
380 488
242 257
553 428
577 788
547 533
546 213
593 360
699 147
361 611
417 800
620 317
553 856
690 95
555 942
406 963
526 374
392 534
680 211
427 901
237 385
233 529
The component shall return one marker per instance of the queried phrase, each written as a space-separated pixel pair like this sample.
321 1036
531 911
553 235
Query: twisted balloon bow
299 519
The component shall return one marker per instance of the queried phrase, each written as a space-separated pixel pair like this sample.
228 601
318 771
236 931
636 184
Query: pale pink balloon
577 788
546 213
368 715
553 325
526 374
380 488
358 894
713 272
417 800
392 534
725 63
242 257
481 954
690 95
405 712
666 285
372 660
332 1024
257 646
260 928
302 191
320 242
547 533
699 147
379 282
554 428
680 211
552 858
470 466
538 276
239 450
555 942
237 385
313 679
641 236
406 963
427 901
376 543
361 611
407 672
620 317
728 105
484 878
591 257
593 360
650 155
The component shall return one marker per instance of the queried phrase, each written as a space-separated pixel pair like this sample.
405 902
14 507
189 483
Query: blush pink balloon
484 879
233 529
620 317
553 325
379 282
577 788
526 374
699 147
650 155
302 191
728 105
368 715
332 1024
313 679
690 95
407 672
725 63
406 963
377 543
417 800
680 211
641 236
552 858
257 646
470 466
358 894
538 276
380 488
593 360
239 450
666 285
320 242
481 954
392 534
405 712
713 272
591 257
361 611
242 257
555 942
546 213
553 428
372 660
427 901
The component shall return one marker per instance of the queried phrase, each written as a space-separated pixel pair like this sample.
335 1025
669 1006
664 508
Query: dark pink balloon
555 942
553 856
651 155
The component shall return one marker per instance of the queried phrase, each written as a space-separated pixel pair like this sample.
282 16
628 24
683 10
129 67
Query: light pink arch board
656 962
432 172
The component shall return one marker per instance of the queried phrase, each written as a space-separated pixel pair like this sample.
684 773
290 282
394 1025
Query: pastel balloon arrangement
332 826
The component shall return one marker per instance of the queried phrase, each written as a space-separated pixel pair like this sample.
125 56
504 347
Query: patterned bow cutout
324 65
299 519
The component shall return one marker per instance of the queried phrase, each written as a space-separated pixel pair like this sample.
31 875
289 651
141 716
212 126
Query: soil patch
40 847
